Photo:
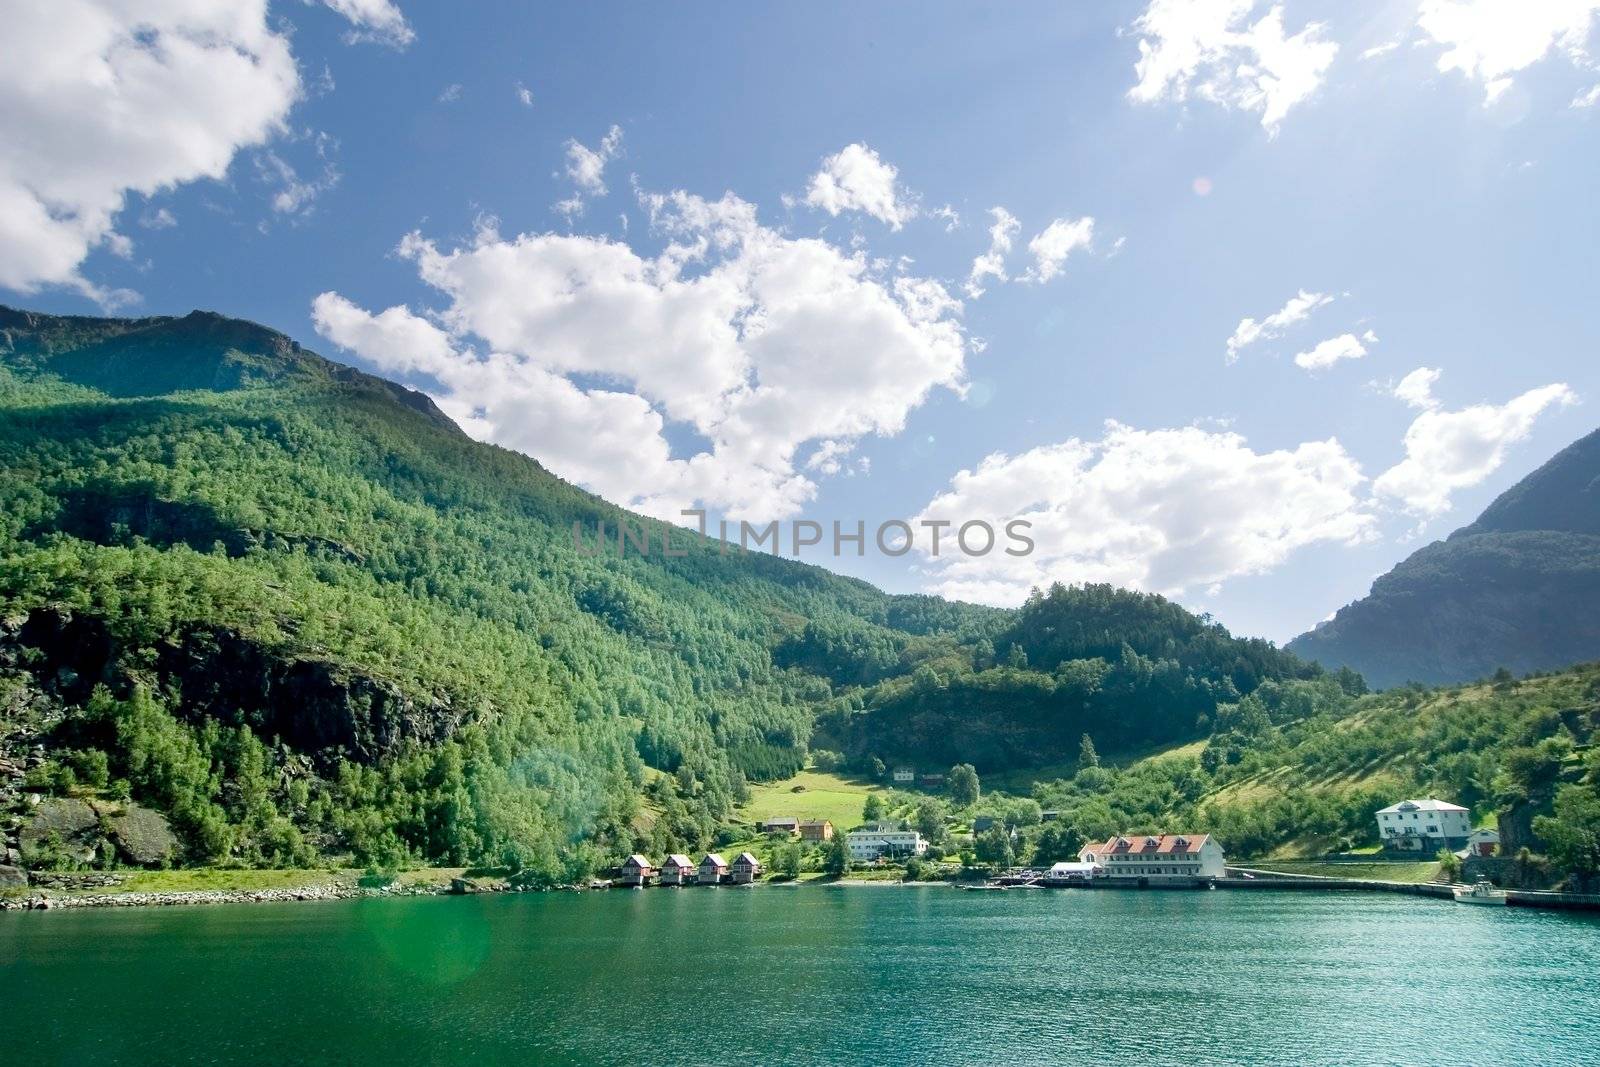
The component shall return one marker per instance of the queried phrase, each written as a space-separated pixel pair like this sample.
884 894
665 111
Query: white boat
1483 892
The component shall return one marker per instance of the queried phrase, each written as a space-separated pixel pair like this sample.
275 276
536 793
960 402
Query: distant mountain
1519 588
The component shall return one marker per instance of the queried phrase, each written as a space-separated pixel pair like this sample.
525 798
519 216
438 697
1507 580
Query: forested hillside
292 606
1519 588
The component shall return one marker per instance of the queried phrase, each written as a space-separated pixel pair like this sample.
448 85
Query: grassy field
1380 872
810 795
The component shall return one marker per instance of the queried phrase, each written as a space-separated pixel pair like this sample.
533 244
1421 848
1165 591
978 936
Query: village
1411 828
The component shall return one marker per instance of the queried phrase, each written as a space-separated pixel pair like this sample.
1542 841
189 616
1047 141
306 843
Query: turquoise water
813 975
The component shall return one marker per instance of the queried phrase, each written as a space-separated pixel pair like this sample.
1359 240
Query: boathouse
637 870
678 870
713 869
746 869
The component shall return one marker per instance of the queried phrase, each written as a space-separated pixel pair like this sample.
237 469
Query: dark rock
66 821
142 836
12 877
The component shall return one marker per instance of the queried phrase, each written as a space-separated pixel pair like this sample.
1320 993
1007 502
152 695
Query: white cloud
759 343
1451 450
1588 98
855 179
992 264
450 93
1380 50
1052 245
159 219
101 98
377 21
1327 353
1416 388
949 216
524 95
1161 510
1493 40
1210 49
293 195
586 168
1297 310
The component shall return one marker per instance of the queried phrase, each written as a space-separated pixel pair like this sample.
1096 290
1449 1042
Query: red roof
1163 845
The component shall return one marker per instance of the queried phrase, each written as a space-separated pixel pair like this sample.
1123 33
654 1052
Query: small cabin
713 869
818 830
1483 842
678 870
637 870
783 825
746 869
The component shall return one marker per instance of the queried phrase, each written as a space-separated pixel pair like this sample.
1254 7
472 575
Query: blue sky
727 256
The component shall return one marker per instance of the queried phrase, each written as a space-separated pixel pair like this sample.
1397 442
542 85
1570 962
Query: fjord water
810 975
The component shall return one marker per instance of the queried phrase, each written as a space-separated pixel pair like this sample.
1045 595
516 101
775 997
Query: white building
1073 873
1163 858
1424 826
905 775
868 845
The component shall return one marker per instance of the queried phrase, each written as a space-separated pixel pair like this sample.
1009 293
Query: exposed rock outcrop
142 836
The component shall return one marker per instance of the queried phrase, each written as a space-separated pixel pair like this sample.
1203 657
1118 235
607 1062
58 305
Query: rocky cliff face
312 705
1519 588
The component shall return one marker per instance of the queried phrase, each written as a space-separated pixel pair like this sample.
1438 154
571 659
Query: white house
868 845
1163 858
1424 826
905 775
678 870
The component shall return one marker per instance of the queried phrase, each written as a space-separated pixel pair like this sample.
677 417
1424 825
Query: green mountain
1519 589
294 608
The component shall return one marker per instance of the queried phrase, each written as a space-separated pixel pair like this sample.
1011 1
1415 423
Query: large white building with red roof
1157 859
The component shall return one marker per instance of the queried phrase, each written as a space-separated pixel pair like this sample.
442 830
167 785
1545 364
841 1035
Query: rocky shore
65 891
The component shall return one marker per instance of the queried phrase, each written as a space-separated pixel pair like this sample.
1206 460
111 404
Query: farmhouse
1162 858
1424 826
868 845
678 870
817 830
905 775
746 869
713 868
782 825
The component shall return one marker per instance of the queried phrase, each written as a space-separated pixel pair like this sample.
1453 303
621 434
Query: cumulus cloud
1211 50
378 21
1416 388
1451 450
1162 510
1297 310
586 168
1326 353
582 351
524 95
947 215
1052 245
855 179
1492 40
992 264
193 82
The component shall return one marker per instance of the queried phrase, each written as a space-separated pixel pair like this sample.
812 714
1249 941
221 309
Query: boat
987 888
1481 892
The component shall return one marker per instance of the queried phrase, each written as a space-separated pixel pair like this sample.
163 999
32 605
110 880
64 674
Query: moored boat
1481 892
